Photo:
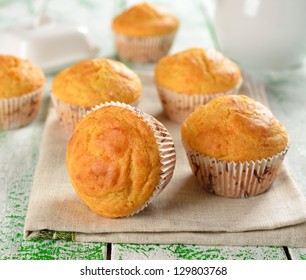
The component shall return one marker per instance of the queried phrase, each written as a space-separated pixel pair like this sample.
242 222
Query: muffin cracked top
197 71
144 20
91 82
234 128
19 76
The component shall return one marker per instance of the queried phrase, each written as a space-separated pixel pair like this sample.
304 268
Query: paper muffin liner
166 149
178 106
145 49
70 115
19 111
234 179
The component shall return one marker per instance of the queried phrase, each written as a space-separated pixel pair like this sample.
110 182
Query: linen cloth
182 213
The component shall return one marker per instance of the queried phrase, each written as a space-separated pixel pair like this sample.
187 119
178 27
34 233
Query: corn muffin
192 77
144 33
234 146
21 91
119 159
77 89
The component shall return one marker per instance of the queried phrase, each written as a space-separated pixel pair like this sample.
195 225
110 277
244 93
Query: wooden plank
297 253
287 97
19 150
195 252
19 249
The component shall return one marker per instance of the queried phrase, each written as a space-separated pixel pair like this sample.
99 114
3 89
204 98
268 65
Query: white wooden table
19 149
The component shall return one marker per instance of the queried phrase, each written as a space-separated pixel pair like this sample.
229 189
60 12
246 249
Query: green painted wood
297 253
288 99
195 252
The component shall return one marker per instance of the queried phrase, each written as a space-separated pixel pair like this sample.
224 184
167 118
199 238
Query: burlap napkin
182 213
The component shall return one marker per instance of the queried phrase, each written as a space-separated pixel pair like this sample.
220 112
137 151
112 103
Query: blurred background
264 36
97 16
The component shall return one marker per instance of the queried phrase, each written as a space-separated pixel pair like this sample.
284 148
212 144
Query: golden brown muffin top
113 161
19 76
234 128
144 20
91 82
197 71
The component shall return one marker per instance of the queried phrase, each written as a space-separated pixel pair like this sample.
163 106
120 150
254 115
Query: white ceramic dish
49 44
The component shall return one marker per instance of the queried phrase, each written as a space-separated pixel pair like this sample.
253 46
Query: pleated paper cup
234 179
178 106
69 115
166 149
143 49
19 111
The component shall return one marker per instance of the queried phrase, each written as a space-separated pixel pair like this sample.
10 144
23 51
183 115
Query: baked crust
19 77
197 71
113 161
145 20
91 82
234 128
